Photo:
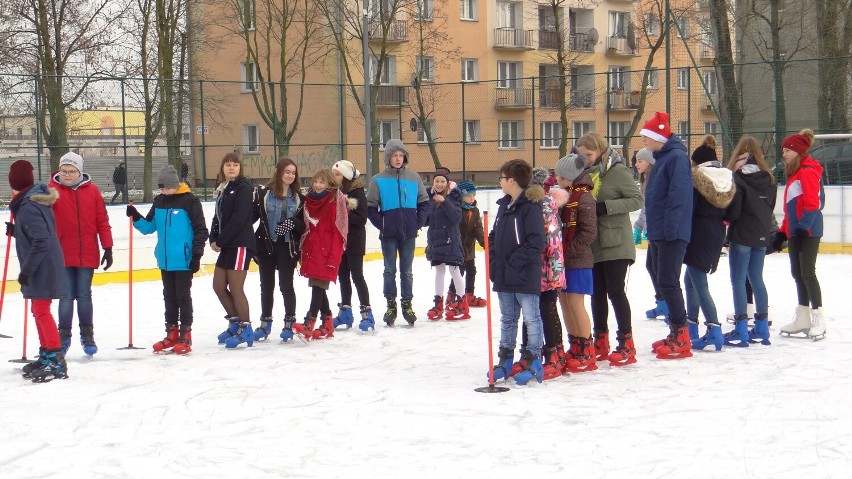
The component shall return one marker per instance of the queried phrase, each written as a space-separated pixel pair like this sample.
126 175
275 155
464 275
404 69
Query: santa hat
797 142
657 128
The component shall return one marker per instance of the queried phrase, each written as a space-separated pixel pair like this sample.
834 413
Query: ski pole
130 284
491 388
24 353
5 272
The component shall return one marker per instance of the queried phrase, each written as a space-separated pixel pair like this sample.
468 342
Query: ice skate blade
785 334
684 355
627 362
818 337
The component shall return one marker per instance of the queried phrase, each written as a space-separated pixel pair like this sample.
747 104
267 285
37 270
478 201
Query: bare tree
729 84
65 43
172 45
834 39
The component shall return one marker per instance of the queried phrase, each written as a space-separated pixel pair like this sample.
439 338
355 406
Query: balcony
514 38
397 31
548 40
621 46
582 99
706 52
390 96
580 42
518 98
624 100
548 97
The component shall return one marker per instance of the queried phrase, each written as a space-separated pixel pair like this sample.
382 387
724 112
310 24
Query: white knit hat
72 159
347 169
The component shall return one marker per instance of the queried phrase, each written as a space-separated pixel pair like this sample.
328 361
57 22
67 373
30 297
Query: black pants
268 264
119 190
608 277
652 271
803 254
319 303
176 296
468 270
352 265
668 259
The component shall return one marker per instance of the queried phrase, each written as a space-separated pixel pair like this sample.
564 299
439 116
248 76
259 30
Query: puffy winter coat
178 220
619 192
804 199
264 230
443 238
750 213
397 202
327 226
37 244
356 241
515 245
668 194
232 223
81 219
552 264
714 190
471 230
579 225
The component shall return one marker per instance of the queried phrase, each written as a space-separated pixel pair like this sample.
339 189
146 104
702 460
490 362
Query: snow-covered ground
401 402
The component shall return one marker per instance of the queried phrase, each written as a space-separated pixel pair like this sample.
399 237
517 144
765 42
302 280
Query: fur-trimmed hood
535 193
46 199
358 182
351 203
715 184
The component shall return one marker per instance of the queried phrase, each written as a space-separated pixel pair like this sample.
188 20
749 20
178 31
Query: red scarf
570 212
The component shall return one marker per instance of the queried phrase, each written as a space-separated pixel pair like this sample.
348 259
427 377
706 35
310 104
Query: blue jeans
698 294
79 289
511 307
746 261
405 248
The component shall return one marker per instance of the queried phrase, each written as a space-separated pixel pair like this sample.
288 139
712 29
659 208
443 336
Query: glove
195 263
23 280
600 209
800 233
107 258
284 227
637 236
10 229
778 241
132 212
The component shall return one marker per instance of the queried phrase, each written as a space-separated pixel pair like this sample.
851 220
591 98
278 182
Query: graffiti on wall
308 162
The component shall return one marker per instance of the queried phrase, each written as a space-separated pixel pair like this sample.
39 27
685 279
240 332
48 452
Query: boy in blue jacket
515 247
177 218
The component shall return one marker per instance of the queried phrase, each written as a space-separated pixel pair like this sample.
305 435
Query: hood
182 188
754 178
809 161
673 144
535 193
609 159
85 179
38 193
392 146
714 184
357 183
560 196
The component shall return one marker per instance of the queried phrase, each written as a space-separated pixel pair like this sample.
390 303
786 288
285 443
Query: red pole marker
5 272
491 388
24 352
130 284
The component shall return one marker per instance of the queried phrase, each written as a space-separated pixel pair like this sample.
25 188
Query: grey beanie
571 166
168 177
393 145
646 156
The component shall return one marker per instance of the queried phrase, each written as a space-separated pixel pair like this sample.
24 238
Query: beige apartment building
491 84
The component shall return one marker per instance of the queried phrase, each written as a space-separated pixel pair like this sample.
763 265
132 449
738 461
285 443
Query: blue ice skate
244 335
287 333
534 370
233 328
503 368
87 340
344 317
693 330
64 340
662 309
760 332
739 336
264 330
367 322
713 337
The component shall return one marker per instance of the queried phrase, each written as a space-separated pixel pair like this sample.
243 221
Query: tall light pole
368 137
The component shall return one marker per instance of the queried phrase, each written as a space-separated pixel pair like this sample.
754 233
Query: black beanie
703 154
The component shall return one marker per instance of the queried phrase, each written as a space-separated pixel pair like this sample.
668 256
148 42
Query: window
468 10
248 77
551 134
683 78
251 139
683 26
510 134
424 10
470 69
246 14
471 131
709 82
618 132
652 24
653 79
421 132
683 129
507 15
618 24
712 128
618 78
583 127
426 68
381 9
387 129
507 74
388 74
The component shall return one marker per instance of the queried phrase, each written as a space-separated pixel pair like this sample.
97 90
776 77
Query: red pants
48 335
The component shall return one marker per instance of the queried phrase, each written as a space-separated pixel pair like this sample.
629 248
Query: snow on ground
401 402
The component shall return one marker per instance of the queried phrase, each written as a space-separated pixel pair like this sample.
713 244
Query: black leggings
352 265
803 254
319 303
652 271
285 265
176 295
608 278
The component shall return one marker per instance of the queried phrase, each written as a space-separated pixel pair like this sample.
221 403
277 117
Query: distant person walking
119 179
184 171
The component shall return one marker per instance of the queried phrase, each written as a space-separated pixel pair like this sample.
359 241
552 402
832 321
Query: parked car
836 160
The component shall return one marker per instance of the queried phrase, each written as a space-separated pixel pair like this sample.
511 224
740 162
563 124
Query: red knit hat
657 128
797 142
21 175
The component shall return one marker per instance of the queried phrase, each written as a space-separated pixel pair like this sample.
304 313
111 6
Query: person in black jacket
232 237
279 206
352 261
750 215
119 179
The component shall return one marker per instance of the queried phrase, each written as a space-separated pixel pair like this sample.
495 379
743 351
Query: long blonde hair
748 144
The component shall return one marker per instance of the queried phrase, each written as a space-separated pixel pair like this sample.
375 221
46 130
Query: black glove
600 209
195 263
107 258
23 280
284 227
800 233
10 229
132 212
778 241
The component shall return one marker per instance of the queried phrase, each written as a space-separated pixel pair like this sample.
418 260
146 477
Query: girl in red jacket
81 220
322 245
802 227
